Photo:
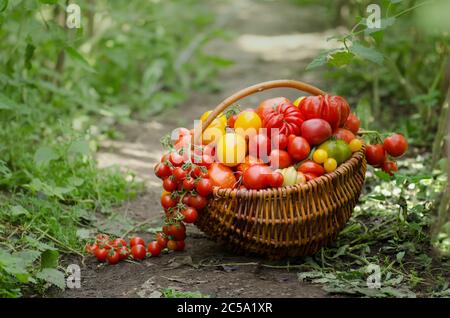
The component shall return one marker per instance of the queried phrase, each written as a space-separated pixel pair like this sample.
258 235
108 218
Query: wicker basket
289 221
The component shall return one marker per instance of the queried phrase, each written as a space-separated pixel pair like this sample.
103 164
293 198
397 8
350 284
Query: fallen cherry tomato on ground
101 254
136 241
389 167
190 215
171 245
180 245
90 249
154 248
395 145
138 252
118 243
113 257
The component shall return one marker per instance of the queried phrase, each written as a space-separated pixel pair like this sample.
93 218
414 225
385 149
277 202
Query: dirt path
270 41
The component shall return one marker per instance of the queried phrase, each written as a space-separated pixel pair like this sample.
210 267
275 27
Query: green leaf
49 259
340 58
75 181
7 103
3 5
29 52
14 265
382 175
400 256
367 53
79 147
84 234
44 155
79 58
28 256
320 60
52 276
18 210
48 1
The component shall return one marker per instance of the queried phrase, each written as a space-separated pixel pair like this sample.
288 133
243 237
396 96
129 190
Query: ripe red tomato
101 238
395 145
177 231
316 131
113 257
118 243
188 184
309 176
259 146
310 167
389 167
221 176
183 143
231 120
167 201
101 254
298 147
375 154
353 123
169 184
279 141
190 215
162 170
286 118
154 248
280 159
124 252
136 241
269 104
179 174
333 109
197 201
276 180
176 159
344 134
138 252
90 249
180 245
162 239
204 187
256 177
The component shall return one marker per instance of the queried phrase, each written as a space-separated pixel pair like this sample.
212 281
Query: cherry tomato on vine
188 184
136 241
177 231
395 145
119 243
375 154
162 240
168 202
179 245
162 170
171 245
190 215
124 252
113 257
179 173
204 187
154 248
169 184
90 248
138 252
101 254
197 201
176 159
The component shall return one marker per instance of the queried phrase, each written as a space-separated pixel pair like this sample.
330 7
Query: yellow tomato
231 149
320 156
212 134
298 100
219 121
247 120
355 145
164 192
330 165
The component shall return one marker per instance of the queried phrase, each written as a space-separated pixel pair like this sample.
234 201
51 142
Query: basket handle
255 89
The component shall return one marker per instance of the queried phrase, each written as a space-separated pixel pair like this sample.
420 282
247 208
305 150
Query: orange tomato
221 176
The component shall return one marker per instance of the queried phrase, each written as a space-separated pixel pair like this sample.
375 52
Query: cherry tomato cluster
114 250
381 155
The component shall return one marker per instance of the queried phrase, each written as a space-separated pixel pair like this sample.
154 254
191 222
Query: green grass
172 293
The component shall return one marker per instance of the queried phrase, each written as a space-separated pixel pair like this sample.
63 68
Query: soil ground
270 40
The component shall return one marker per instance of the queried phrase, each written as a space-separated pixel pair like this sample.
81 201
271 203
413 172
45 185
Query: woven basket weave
289 221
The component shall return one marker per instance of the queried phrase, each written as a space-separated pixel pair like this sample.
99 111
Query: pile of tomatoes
112 251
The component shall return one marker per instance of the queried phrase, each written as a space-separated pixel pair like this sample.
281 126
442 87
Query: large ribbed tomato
286 117
333 109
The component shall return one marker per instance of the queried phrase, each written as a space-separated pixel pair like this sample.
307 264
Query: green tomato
337 149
